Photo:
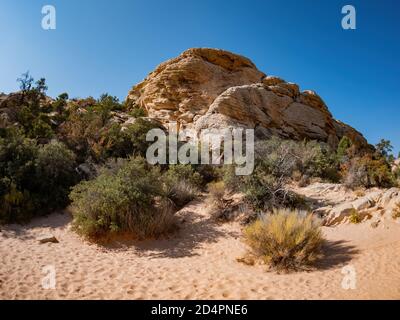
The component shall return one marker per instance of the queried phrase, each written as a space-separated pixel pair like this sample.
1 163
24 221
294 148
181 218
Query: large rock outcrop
210 88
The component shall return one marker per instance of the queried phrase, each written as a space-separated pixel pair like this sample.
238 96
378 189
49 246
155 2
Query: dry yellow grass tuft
396 211
286 239
354 216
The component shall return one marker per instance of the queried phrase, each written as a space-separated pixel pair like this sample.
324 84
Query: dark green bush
35 179
55 174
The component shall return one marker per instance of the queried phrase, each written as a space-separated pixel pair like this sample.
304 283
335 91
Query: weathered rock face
334 203
209 88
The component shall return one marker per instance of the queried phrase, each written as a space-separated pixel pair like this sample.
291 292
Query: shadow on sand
336 254
24 231
195 231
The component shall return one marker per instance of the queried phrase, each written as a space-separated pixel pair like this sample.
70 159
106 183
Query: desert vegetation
89 153
126 201
285 240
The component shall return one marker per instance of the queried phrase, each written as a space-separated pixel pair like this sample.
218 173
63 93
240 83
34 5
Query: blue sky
108 46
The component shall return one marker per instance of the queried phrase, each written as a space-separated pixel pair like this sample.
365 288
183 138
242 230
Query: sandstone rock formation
210 88
334 203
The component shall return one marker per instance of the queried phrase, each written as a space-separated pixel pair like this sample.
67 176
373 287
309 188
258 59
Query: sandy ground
198 263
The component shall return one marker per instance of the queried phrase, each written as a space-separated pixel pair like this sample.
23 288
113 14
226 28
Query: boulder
338 213
388 196
363 203
210 88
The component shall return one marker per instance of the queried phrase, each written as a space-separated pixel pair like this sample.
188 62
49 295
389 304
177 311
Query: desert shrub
114 143
15 205
285 240
137 112
33 107
17 172
275 162
182 184
368 172
354 216
90 133
383 149
208 172
318 160
137 133
81 131
35 179
359 193
396 211
216 192
128 202
343 149
55 174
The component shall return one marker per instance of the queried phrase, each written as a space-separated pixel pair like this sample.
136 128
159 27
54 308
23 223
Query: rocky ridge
210 88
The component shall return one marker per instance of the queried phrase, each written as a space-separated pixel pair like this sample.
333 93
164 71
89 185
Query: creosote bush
128 202
285 240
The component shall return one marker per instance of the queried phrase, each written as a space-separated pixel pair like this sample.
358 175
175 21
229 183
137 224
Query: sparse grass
181 192
216 198
182 184
286 240
355 216
359 193
396 211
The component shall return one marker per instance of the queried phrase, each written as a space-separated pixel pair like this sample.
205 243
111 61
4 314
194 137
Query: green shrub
114 143
81 131
55 174
285 240
129 202
35 179
137 112
137 133
343 148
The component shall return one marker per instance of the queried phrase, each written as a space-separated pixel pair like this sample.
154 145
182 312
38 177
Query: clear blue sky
108 46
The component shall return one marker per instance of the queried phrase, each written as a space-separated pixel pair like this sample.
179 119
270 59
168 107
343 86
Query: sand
197 263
